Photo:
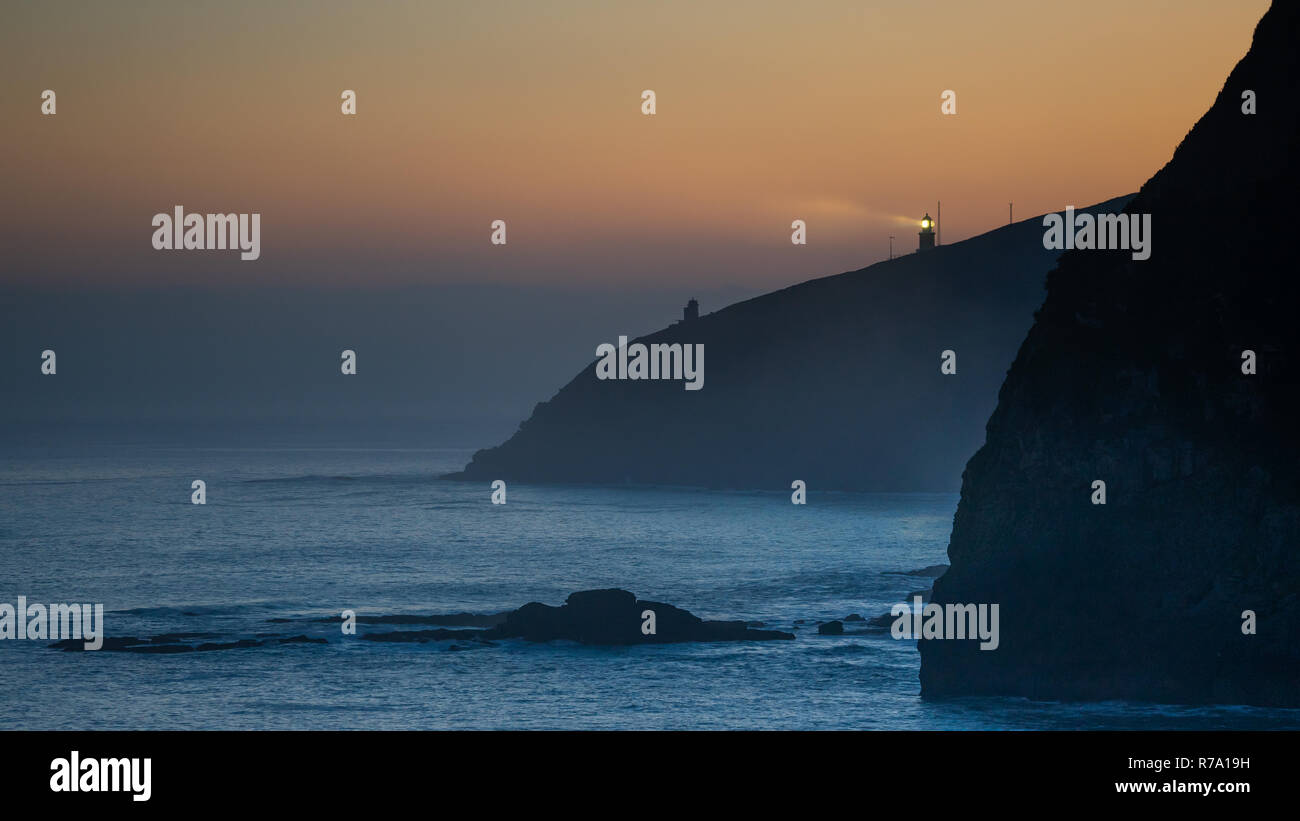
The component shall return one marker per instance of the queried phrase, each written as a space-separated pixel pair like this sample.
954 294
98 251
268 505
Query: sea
296 529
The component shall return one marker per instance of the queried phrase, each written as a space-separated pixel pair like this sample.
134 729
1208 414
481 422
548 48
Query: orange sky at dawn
530 112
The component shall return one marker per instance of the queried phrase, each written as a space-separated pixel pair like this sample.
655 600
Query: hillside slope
835 381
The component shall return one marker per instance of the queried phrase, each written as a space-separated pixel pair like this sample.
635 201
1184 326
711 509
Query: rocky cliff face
835 381
1132 374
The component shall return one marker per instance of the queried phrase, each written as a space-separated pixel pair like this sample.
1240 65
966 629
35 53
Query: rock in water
617 617
1133 375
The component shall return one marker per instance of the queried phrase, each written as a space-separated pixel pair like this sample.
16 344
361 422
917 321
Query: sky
530 112
376 228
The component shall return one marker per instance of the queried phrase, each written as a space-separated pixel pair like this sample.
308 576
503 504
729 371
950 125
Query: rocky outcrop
1133 375
607 617
617 617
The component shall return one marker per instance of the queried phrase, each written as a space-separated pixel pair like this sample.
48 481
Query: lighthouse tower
926 234
691 312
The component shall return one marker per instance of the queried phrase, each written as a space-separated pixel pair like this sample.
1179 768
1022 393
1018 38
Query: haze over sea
300 526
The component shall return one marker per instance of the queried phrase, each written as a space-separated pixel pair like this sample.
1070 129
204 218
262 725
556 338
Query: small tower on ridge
691 312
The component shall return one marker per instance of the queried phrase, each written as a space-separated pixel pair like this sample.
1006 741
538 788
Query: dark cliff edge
1132 374
834 381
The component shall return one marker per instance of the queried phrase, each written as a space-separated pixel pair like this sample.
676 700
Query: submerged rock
933 571
164 644
439 634
439 619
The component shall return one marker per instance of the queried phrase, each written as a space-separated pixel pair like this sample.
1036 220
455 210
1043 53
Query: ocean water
301 530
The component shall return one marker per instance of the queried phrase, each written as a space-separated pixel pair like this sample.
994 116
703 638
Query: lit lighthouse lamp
926 234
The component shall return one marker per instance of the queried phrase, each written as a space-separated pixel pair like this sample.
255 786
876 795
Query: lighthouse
926 234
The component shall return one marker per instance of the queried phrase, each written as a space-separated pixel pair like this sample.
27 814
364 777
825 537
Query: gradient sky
530 112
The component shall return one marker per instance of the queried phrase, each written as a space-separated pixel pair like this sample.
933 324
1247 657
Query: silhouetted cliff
835 381
1132 374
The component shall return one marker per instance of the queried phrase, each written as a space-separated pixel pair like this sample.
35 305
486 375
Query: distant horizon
446 357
